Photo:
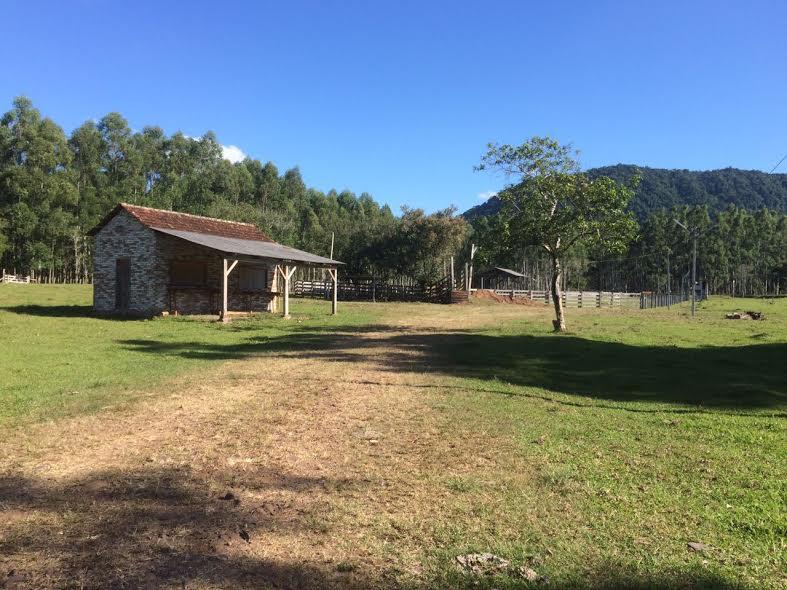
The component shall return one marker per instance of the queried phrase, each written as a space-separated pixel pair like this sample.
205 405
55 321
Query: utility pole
694 233
669 287
694 276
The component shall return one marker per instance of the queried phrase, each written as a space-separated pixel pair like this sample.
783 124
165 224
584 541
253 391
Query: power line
779 164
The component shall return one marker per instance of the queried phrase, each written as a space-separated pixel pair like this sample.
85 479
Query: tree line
55 187
661 188
739 252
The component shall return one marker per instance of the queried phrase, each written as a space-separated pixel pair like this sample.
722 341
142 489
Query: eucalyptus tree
553 205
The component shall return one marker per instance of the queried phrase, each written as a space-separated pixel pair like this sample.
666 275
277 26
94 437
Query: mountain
663 188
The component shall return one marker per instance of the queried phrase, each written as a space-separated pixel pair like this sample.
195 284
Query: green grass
635 434
605 450
57 359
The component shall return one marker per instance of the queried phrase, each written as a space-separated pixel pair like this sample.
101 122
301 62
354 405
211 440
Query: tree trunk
557 298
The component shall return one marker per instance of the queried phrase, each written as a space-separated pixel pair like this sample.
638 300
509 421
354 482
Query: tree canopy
54 188
554 206
661 188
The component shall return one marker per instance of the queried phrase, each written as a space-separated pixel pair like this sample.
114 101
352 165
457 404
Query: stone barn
149 261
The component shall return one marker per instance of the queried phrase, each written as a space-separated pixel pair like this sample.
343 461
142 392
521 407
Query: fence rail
368 289
580 299
364 288
652 300
6 278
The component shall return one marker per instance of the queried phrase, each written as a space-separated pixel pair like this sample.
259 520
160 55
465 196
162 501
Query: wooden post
473 250
224 291
287 291
334 273
226 270
452 273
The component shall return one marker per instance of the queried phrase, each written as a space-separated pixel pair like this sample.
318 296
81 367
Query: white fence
6 278
580 298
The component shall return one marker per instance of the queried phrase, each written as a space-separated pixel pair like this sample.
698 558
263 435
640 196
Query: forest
739 252
660 188
54 187
739 215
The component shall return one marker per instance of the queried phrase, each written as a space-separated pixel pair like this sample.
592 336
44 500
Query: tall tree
555 206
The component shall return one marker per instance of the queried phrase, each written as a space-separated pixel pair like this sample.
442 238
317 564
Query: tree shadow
735 377
609 575
169 527
155 527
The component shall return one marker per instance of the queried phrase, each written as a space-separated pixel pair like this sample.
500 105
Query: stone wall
124 237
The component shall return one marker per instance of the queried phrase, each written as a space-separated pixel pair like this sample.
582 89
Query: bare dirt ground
285 470
490 295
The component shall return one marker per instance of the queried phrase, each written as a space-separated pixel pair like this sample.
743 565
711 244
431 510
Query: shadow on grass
52 311
157 527
170 527
609 576
736 377
65 311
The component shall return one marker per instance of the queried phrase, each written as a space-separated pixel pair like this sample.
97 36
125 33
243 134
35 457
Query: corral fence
367 288
650 300
580 299
8 278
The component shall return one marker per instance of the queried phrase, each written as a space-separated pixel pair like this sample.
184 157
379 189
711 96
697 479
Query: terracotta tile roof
173 220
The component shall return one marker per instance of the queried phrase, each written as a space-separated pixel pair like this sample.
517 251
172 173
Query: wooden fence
6 278
652 300
372 289
582 299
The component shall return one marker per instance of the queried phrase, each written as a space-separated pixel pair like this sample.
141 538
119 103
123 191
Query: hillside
663 188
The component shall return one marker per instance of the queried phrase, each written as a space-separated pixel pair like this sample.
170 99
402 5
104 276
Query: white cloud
232 153
486 195
229 152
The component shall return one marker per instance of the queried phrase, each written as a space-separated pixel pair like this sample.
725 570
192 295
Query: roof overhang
250 248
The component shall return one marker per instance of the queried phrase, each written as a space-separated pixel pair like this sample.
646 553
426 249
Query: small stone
529 574
697 546
483 563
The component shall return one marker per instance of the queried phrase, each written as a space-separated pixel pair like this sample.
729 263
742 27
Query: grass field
60 360
372 448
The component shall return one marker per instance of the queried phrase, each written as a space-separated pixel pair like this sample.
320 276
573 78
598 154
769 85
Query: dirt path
294 470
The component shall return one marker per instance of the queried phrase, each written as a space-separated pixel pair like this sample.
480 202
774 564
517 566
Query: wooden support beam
334 273
226 270
224 317
287 275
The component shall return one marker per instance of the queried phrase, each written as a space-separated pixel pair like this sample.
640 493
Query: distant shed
499 278
149 261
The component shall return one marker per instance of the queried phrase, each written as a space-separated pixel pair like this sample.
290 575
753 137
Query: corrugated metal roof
509 271
248 247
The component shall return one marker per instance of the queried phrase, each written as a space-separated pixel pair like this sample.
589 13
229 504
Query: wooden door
122 284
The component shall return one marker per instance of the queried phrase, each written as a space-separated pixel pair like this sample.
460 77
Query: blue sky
399 98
